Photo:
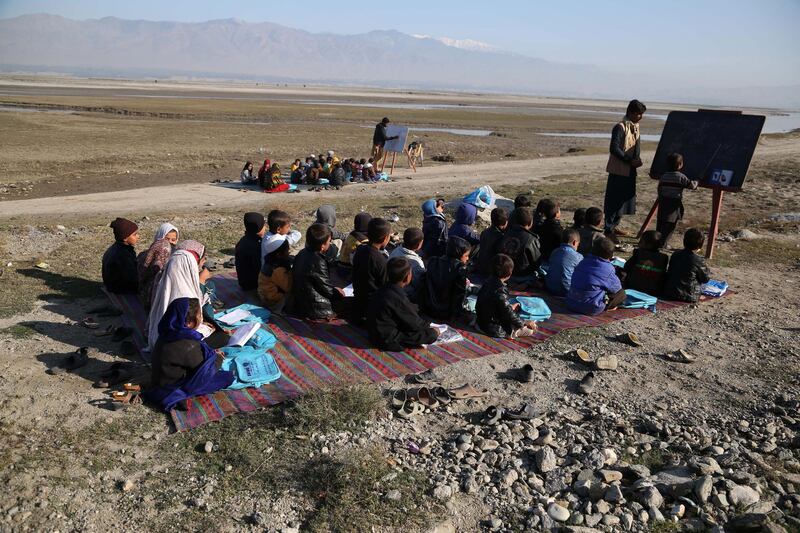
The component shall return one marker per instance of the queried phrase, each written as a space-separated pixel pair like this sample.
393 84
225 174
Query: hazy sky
737 42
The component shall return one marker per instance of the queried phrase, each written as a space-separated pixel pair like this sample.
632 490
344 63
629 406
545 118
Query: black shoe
586 386
527 374
525 412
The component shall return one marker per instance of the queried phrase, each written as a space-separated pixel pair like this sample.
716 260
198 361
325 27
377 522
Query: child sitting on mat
578 218
490 241
311 295
120 270
247 255
355 238
275 278
522 245
647 267
279 224
563 261
463 224
549 228
326 214
497 317
670 197
392 320
369 266
592 230
595 286
443 294
434 228
412 243
687 271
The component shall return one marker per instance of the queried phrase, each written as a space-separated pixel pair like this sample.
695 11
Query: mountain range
235 49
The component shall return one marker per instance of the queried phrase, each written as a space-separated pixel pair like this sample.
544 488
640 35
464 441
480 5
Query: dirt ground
68 463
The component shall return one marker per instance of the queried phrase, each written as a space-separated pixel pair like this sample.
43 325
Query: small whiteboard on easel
396 145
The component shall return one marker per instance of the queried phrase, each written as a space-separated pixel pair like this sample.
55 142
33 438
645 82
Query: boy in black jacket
490 240
434 228
549 230
687 271
312 294
445 289
248 251
392 320
646 269
369 266
120 274
496 317
521 244
670 197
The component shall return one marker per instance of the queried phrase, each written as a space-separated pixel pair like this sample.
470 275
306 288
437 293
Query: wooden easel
411 164
716 209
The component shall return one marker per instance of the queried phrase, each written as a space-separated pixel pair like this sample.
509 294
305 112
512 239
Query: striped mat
319 355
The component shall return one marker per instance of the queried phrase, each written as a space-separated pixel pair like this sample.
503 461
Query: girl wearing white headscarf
179 279
152 262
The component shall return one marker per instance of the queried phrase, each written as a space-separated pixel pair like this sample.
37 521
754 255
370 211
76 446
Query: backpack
532 308
638 300
714 288
251 367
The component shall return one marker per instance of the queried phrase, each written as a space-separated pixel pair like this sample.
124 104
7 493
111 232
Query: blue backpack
251 367
532 308
257 314
714 288
638 300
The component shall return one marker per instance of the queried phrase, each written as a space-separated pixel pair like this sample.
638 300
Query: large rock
614 495
651 497
557 512
545 459
674 481
742 495
702 488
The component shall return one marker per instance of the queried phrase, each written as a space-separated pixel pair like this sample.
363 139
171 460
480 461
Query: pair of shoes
493 414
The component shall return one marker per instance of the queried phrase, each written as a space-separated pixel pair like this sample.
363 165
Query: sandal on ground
492 415
124 398
526 374
630 339
105 332
399 398
121 333
410 410
679 356
525 412
441 395
89 323
71 362
582 356
423 378
467 391
606 362
424 396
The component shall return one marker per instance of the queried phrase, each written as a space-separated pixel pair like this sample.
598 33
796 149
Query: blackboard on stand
717 148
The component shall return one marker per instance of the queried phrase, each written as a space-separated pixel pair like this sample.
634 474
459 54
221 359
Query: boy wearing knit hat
248 251
119 262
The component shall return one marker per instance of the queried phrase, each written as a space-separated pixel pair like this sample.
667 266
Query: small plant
18 331
335 409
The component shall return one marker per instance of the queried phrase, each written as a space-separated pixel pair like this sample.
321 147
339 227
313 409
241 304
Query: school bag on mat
638 300
533 308
482 197
251 367
262 340
714 288
252 313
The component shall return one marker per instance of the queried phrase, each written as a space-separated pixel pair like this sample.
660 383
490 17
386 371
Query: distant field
79 140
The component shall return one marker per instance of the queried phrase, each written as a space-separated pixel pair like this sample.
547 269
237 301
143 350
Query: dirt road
431 180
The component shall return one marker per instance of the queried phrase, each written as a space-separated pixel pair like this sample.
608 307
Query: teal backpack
639 300
532 308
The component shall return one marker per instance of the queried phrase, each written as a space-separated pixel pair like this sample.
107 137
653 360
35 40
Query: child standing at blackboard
670 197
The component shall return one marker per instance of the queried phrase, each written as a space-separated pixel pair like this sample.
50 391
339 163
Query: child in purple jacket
595 286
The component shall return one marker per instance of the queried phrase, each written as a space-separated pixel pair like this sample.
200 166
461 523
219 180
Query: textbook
243 334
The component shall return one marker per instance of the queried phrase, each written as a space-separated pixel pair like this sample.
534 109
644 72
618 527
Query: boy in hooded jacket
464 222
434 229
443 294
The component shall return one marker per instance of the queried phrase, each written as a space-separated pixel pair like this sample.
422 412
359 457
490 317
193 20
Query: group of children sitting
315 170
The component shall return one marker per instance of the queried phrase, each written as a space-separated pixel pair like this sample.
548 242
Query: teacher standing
379 139
623 160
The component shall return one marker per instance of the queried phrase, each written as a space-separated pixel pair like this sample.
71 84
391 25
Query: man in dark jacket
312 294
521 244
490 240
445 289
392 320
369 266
496 317
248 251
120 275
687 271
379 139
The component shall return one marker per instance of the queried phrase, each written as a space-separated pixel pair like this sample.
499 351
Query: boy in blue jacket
563 261
595 286
464 222
434 229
